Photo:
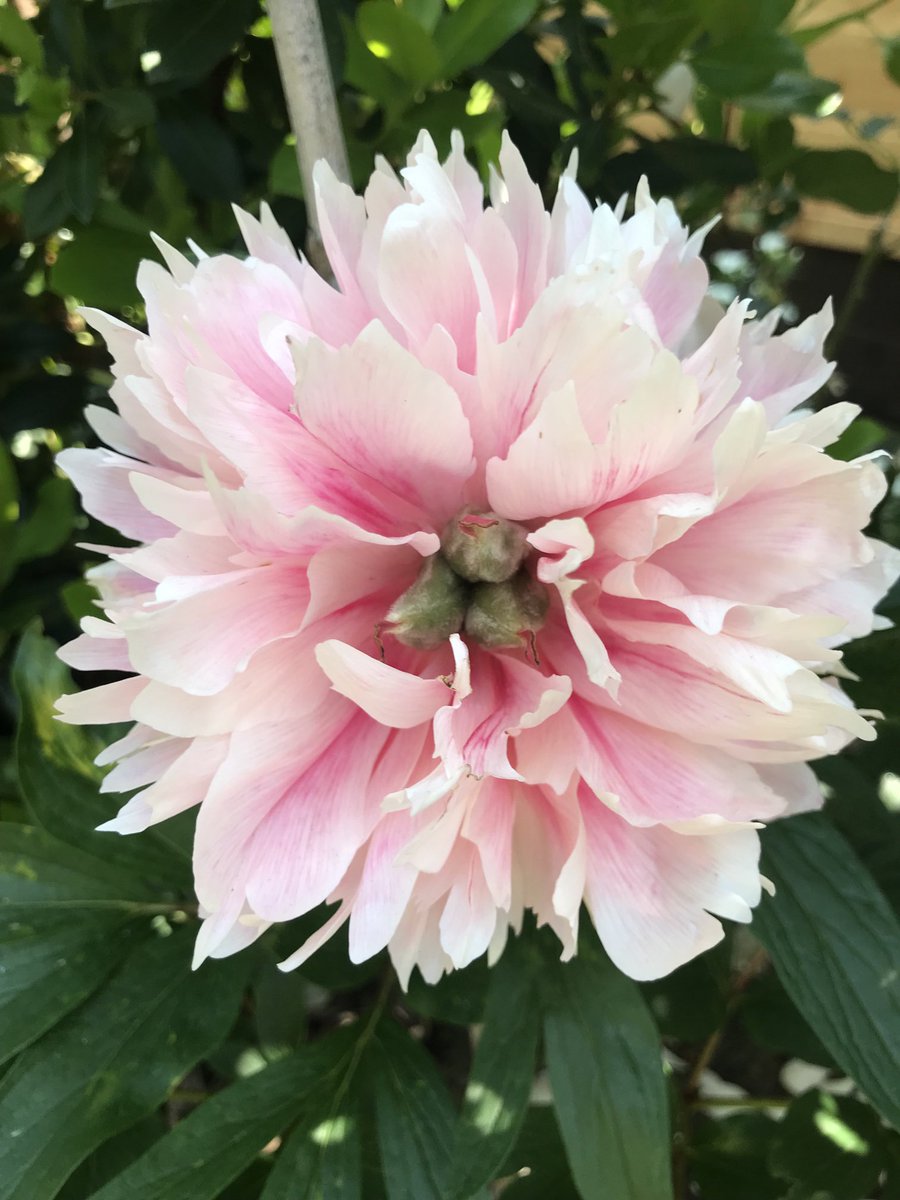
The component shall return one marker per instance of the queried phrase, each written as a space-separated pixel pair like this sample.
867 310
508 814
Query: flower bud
431 609
483 547
503 615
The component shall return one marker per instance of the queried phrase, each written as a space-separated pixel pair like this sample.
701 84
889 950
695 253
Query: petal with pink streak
572 544
391 697
342 224
259 528
424 278
281 679
385 888
262 765
376 407
102 647
488 825
469 914
508 696
651 891
781 372
304 843
104 705
200 643
549 468
651 777
103 480
181 786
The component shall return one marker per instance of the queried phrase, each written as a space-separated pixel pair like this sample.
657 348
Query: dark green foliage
605 1065
125 1076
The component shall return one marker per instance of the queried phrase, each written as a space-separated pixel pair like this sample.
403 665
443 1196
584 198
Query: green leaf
66 920
202 151
772 1021
605 1062
848 177
829 1147
473 31
113 1156
502 1073
99 266
791 93
426 12
192 39
371 75
280 1004
284 172
836 944
83 163
48 527
745 63
127 109
812 33
690 1003
112 1062
728 1158
459 997
415 1118
69 183
323 1156
19 38
220 1138
538 1161
60 782
891 51
395 37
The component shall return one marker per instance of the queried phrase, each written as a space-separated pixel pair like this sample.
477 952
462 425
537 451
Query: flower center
477 582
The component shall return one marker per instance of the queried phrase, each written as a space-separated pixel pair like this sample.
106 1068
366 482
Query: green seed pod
482 547
431 609
503 615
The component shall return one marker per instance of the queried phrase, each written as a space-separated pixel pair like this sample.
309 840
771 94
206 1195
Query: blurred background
122 117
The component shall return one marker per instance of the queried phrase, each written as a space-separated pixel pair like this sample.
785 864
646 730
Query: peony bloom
498 575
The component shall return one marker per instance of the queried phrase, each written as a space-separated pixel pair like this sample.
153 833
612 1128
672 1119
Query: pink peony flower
495 577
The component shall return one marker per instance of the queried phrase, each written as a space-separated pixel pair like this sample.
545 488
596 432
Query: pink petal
651 891
391 697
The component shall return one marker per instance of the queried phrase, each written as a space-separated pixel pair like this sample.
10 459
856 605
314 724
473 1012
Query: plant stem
311 100
754 1102
869 260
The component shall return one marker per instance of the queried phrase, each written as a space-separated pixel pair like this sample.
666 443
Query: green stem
857 290
756 1102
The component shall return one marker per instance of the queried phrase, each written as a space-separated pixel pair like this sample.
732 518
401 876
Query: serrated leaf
59 780
836 946
502 1073
112 1062
415 1118
66 921
476 28
220 1138
605 1062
